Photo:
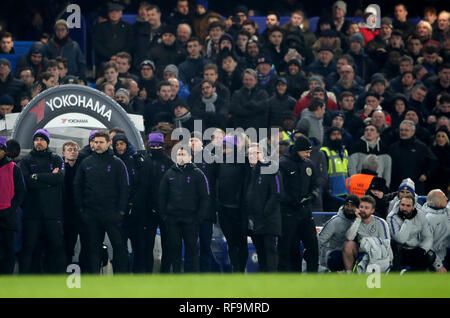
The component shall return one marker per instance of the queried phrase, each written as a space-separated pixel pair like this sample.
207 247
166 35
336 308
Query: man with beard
337 157
101 192
412 238
300 190
43 172
332 236
368 240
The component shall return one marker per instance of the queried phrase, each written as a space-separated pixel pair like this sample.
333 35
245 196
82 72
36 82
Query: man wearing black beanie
300 190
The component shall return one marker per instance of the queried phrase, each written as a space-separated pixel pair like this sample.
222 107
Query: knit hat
118 137
302 143
148 63
317 79
169 29
295 60
173 69
6 100
155 139
230 141
326 48
203 3
288 114
43 134
115 7
91 134
409 185
62 22
352 199
4 61
318 89
331 130
338 114
294 37
357 37
387 21
377 78
69 79
402 97
241 9
37 48
341 5
2 143
123 92
227 37
378 184
180 102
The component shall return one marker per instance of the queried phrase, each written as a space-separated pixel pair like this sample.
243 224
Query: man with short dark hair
368 234
101 192
7 43
181 14
191 70
401 20
161 106
44 176
183 201
412 238
312 118
10 85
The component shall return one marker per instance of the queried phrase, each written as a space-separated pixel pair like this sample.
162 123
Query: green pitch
210 286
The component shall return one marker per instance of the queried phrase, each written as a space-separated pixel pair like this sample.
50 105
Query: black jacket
101 186
157 107
69 201
141 34
85 152
45 195
14 88
184 194
278 106
222 92
156 164
211 119
110 39
410 159
249 108
299 181
262 202
210 171
164 55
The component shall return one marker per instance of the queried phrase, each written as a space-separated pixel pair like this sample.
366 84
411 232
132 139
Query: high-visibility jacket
337 171
288 138
359 183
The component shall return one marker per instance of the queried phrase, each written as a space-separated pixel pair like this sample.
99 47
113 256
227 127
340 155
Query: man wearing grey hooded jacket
438 215
412 239
312 118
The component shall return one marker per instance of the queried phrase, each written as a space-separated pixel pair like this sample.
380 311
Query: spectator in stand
338 120
312 119
441 149
431 59
26 76
123 63
171 72
62 45
107 89
315 82
324 64
406 63
401 19
329 38
440 85
113 28
10 85
370 144
296 78
424 30
368 27
347 82
191 70
181 14
272 21
333 78
230 73
111 76
353 123
169 51
184 33
241 43
411 158
154 18
136 104
161 105
299 24
280 102
364 65
443 26
7 43
35 59
400 104
147 81
251 27
141 33
215 31
377 47
275 47
430 16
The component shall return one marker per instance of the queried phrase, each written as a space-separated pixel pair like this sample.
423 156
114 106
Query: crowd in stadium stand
362 121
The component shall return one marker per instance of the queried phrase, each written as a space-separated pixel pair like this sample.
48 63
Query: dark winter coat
249 108
76 62
110 39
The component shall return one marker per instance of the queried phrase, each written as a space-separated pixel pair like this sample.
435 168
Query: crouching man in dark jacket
300 190
262 201
184 198
101 192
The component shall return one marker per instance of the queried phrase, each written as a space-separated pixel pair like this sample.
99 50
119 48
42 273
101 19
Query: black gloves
307 200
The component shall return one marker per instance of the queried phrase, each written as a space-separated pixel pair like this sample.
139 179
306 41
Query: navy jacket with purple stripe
262 202
101 186
184 194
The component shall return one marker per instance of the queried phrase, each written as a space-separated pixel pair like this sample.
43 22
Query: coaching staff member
101 192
